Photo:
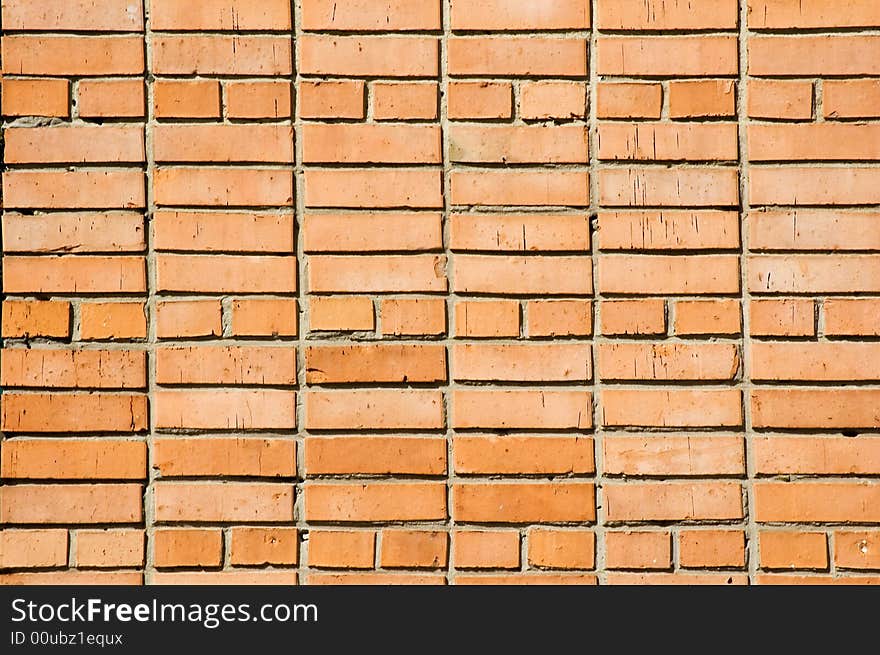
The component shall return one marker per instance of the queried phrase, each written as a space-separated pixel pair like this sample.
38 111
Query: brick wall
461 291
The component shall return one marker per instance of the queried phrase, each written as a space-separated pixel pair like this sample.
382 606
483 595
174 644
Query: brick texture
440 292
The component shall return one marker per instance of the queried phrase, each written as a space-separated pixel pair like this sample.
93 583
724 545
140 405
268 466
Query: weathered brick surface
440 292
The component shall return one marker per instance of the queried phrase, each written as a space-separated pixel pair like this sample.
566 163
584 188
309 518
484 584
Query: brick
223 143
220 15
375 455
363 15
630 317
659 274
703 549
856 550
677 578
226 274
221 55
375 502
378 578
638 550
524 502
336 99
36 97
186 98
671 408
93 16
817 455
691 187
343 313
74 232
519 232
813 273
259 99
387 273
815 408
487 318
479 100
98 369
372 231
225 409
565 144
556 100
484 15
342 550
515 187
262 578
32 548
788 99
369 56
223 232
111 98
851 317
74 459
702 98
74 274
684 501
664 361
813 230
523 275
521 408
223 187
78 56
472 549
375 409
561 549
512 455
628 100
414 549
74 578
371 144
668 141
227 365
708 317
194 547
825 502
527 579
86 189
665 15
258 546
818 362
517 57
413 316
788 317
264 317
767 14
850 98
67 504
375 363
57 412
109 548
219 502
825 142
188 318
680 56
559 318
35 318
808 55
674 455
814 580
376 187
522 363
179 457
669 230
404 101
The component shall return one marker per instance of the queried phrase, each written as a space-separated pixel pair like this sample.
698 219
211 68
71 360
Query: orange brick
559 318
361 15
702 98
817 455
336 99
671 408
375 501
74 232
188 318
414 549
660 274
776 14
522 455
371 143
485 550
685 501
622 317
850 98
224 457
385 273
816 273
375 363
404 101
226 273
559 100
225 409
851 317
223 143
372 231
569 276
78 56
57 412
219 502
36 97
517 187
228 365
221 55
691 56
488 318
186 98
815 408
377 455
413 316
111 98
668 141
109 548
82 189
265 317
638 550
826 502
664 15
342 550
99 369
32 548
702 317
856 550
342 313
712 549
96 15
517 56
695 187
522 363
376 409
561 144
788 317
36 318
668 361
792 100
220 15
369 56
484 15
561 549
524 502
374 187
258 546
65 504
259 99
478 100
793 550
195 547
674 455
74 459
521 408
628 100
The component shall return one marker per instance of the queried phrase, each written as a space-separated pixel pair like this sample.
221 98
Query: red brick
74 232
259 99
111 98
404 101
413 316
86 189
226 274
668 230
817 455
366 15
386 273
691 56
667 15
512 455
342 313
826 502
561 549
414 549
186 98
220 502
674 455
65 504
703 549
662 361
203 457
193 547
816 408
480 100
36 97
32 548
638 550
705 317
369 56
221 55
658 274
793 550
225 409
110 548
78 56
375 363
552 318
74 459
375 187
523 275
57 412
524 502
99 369
521 408
517 56
658 501
342 550
375 409
336 99
36 318
220 15
671 408
92 16
485 550
375 501
259 546
376 455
